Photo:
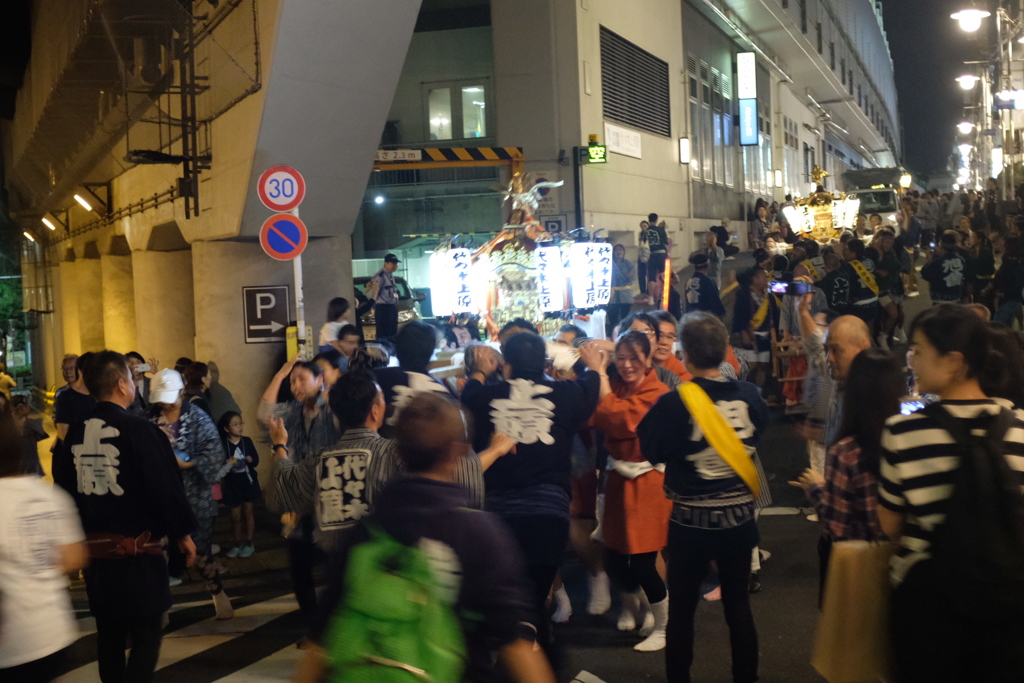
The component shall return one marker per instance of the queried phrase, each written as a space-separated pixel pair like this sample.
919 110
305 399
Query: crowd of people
443 510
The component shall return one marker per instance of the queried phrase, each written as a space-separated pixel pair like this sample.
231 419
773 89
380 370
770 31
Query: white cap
165 386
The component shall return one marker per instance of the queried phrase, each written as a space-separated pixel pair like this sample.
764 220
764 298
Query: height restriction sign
281 188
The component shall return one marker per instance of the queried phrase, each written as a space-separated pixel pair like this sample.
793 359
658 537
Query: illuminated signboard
748 123
746 76
451 282
597 154
550 279
591 274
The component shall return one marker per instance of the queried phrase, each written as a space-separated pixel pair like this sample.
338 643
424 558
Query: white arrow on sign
273 327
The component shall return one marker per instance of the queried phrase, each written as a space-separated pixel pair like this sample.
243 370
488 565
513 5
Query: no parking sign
283 237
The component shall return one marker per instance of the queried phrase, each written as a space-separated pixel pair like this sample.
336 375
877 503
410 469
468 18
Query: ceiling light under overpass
968 81
48 223
965 127
85 204
970 18
29 236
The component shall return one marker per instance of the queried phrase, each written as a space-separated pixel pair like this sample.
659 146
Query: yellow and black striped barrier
446 157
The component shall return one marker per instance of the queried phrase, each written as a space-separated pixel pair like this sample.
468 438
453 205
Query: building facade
165 130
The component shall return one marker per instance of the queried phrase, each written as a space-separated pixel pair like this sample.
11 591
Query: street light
965 149
965 127
967 81
970 19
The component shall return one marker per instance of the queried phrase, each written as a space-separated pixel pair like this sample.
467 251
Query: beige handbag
853 644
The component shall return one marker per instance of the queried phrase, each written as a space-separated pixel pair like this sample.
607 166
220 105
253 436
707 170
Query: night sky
928 50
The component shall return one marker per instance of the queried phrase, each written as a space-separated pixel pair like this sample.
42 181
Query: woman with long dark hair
945 627
636 510
846 497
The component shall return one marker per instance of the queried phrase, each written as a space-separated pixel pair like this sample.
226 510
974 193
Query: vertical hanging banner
591 274
550 279
451 282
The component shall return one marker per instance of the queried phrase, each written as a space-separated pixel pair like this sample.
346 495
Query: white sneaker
222 605
646 618
600 595
656 640
173 581
214 549
813 517
912 294
765 555
630 612
901 335
563 608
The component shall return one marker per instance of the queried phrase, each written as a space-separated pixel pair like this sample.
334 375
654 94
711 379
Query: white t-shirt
35 609
329 332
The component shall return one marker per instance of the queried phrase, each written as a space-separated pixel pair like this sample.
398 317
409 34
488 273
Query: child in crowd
240 487
337 317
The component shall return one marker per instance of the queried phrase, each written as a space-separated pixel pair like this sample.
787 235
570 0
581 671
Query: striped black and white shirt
917 472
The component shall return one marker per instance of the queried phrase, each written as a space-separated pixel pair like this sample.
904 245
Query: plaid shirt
848 502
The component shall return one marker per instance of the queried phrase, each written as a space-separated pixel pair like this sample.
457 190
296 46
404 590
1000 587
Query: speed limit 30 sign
281 188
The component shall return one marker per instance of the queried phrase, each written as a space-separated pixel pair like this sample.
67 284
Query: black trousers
631 572
616 314
542 539
115 634
386 316
824 555
42 670
690 552
302 559
730 250
933 644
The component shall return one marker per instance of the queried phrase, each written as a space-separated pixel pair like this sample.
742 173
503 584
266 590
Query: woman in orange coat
636 511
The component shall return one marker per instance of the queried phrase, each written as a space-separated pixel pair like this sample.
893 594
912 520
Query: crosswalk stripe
198 637
277 667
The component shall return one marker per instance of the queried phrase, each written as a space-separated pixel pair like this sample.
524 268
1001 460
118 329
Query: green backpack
392 625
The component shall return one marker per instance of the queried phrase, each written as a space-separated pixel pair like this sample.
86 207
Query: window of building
803 15
842 70
439 113
716 126
832 55
809 163
457 110
635 85
707 162
820 43
474 112
727 130
696 146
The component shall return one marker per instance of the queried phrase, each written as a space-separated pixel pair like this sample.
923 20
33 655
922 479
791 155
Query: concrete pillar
221 270
119 324
164 305
90 304
66 302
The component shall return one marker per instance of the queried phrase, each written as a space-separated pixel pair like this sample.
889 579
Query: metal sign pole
300 311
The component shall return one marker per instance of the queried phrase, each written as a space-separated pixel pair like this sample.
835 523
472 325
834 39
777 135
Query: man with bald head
829 348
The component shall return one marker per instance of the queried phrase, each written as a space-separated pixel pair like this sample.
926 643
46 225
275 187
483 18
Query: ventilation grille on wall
635 85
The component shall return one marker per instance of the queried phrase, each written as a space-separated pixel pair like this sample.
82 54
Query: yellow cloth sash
762 312
865 276
719 434
815 273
